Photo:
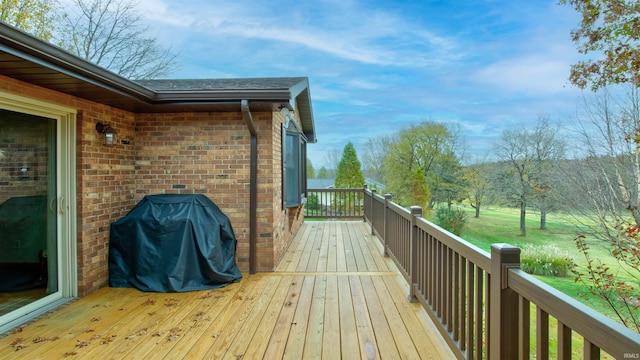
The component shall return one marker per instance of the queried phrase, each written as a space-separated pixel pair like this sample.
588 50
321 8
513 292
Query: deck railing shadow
481 302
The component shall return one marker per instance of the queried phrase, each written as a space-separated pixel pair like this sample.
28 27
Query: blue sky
378 66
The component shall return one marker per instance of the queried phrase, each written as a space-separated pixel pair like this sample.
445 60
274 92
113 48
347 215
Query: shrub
602 281
312 202
452 220
546 260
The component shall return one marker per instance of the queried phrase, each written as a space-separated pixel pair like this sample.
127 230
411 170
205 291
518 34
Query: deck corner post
387 200
503 308
416 212
373 195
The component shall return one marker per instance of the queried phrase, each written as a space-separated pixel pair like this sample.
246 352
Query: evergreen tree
323 173
349 169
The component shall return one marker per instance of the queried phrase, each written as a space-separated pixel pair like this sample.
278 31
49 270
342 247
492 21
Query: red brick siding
198 153
286 221
105 188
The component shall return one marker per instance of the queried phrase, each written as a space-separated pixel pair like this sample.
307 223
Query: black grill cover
173 243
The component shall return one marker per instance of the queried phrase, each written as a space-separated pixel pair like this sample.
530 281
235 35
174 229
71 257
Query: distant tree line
532 167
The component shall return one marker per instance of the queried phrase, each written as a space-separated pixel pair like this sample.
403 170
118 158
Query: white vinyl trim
66 213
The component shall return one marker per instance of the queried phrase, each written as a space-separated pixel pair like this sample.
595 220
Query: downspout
253 185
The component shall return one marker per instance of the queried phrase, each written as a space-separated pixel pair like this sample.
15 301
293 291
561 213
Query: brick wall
209 153
198 153
206 153
105 187
286 221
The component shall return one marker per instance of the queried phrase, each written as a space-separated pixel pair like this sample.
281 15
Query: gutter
22 45
253 185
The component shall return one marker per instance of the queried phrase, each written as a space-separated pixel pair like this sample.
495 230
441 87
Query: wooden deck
333 296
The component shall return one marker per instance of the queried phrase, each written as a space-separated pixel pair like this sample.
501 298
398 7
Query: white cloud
349 32
362 83
530 75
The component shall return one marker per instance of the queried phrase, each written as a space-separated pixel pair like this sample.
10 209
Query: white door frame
66 118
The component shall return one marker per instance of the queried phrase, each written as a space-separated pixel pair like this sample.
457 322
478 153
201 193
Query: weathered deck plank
332 296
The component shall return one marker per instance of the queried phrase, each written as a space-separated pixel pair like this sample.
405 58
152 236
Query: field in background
501 225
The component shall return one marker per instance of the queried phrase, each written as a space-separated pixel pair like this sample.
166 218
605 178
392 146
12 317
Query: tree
448 182
33 16
332 159
603 190
430 147
375 153
452 220
349 176
610 28
478 180
528 157
323 173
349 173
111 34
608 172
311 173
418 193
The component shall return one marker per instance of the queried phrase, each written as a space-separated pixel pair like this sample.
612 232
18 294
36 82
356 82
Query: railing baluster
564 342
455 301
480 320
438 279
463 304
524 345
416 212
471 308
387 200
542 334
446 287
590 351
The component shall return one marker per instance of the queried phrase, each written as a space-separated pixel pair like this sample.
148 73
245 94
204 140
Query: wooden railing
335 203
482 302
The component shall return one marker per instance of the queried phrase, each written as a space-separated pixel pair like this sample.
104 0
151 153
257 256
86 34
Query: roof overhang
26 58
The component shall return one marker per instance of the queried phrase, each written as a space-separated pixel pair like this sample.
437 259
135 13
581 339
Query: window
294 159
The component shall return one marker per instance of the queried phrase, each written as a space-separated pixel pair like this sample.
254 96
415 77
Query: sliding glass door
28 222
37 224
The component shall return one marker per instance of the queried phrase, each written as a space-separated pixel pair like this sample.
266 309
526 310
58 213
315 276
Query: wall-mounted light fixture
285 110
287 113
110 135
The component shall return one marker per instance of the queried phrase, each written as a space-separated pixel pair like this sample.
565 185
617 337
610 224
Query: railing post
503 308
387 199
416 212
364 193
373 195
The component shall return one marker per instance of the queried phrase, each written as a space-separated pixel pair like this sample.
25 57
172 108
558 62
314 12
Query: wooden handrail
600 330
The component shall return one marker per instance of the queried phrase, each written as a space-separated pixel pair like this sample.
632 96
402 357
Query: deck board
333 296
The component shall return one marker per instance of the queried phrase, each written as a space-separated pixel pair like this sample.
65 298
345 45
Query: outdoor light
109 134
284 110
